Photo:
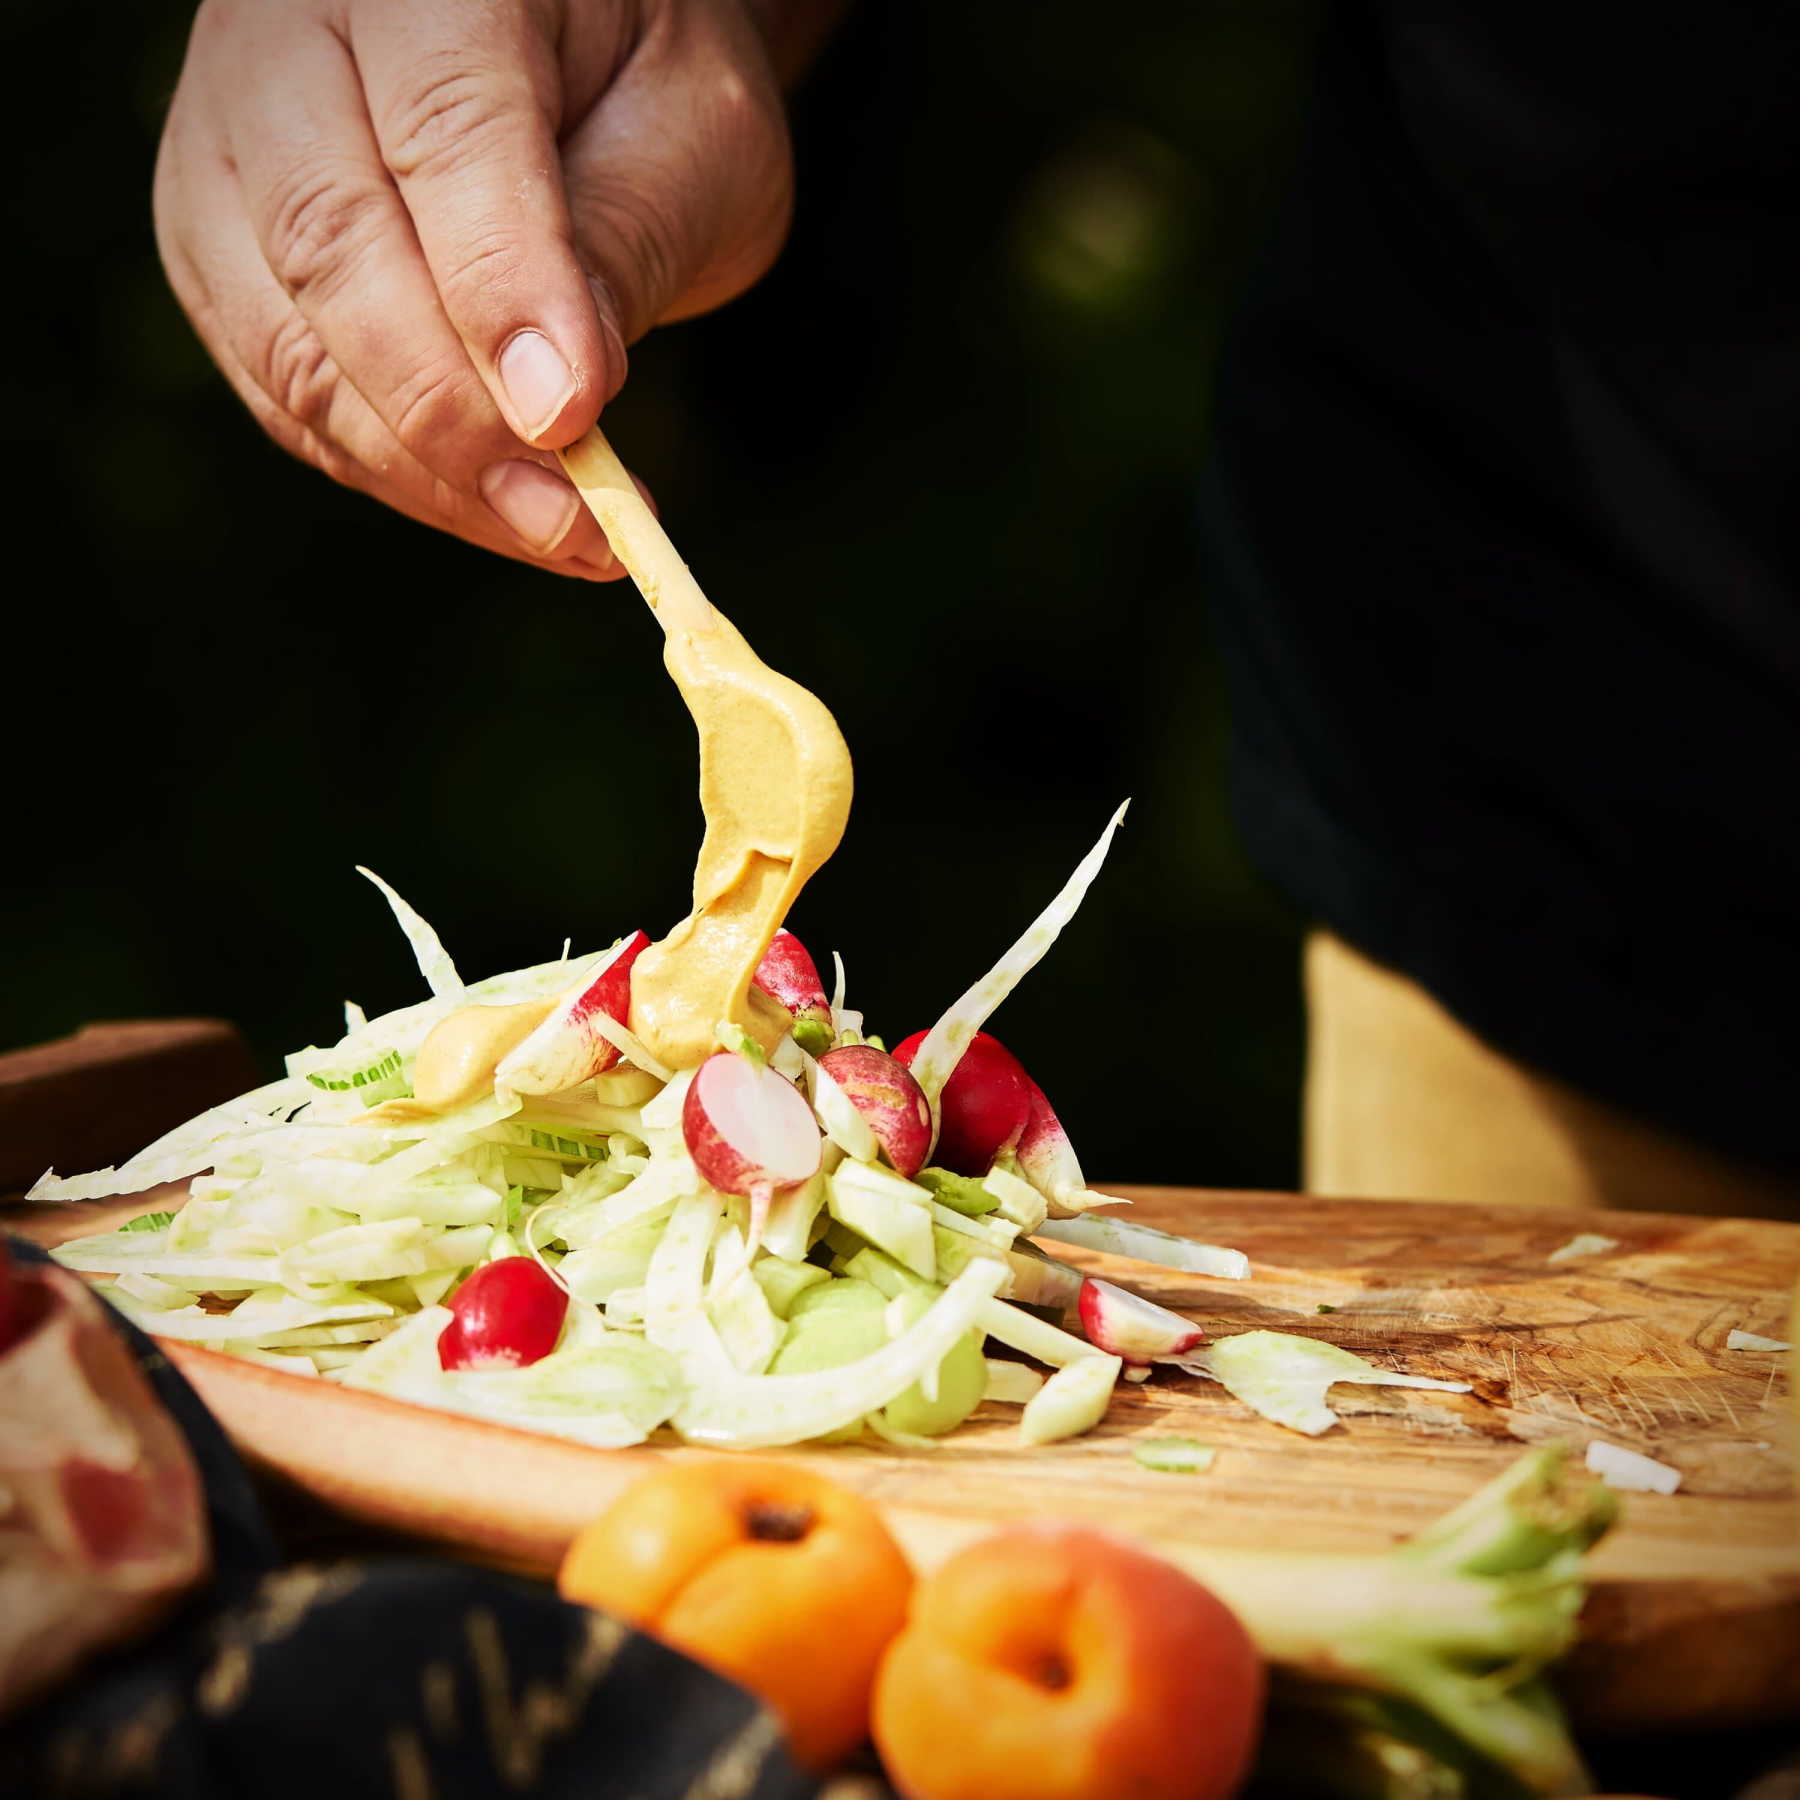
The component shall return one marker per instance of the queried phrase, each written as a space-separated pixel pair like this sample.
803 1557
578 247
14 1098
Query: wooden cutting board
1694 1614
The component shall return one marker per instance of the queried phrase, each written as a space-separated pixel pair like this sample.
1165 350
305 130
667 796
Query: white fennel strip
945 1043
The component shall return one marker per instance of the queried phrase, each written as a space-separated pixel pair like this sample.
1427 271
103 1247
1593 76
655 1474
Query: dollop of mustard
775 784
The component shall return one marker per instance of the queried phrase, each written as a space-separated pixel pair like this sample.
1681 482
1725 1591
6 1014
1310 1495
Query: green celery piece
961 1193
783 1281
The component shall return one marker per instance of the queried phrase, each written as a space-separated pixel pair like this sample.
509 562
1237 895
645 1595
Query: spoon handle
636 537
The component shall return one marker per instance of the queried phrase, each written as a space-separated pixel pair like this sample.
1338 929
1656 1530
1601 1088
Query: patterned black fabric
402 1678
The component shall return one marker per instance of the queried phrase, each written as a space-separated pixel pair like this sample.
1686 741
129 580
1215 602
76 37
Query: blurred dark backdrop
939 467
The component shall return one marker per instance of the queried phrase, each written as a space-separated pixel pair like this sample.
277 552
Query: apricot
775 1577
1053 1662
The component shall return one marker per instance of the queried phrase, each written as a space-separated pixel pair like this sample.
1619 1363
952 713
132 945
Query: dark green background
939 467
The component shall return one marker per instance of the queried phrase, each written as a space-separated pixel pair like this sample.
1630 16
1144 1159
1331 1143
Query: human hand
417 235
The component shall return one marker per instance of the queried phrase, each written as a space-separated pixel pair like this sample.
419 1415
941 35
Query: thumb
465 100
680 179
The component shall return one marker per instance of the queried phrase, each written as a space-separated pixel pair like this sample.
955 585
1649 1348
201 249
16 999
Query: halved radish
893 1104
566 1049
788 974
984 1107
505 1315
1125 1324
749 1131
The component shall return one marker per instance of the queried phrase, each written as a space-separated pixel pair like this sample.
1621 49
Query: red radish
893 1104
505 1315
566 1049
984 1107
749 1131
1125 1324
1046 1157
788 974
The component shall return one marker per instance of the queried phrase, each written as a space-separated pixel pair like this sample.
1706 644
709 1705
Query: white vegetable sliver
283 1314
1630 1472
1749 1340
837 1114
675 1286
945 1043
203 1271
1027 1333
1072 1401
1143 1243
1583 1243
787 1232
757 1411
629 1045
554 1056
434 961
1021 1205
186 1150
1010 1383
887 1211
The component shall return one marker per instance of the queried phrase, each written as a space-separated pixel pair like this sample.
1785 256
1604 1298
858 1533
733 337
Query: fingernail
537 380
532 501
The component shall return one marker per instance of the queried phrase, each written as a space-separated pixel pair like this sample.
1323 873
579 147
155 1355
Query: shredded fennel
1286 1378
330 1222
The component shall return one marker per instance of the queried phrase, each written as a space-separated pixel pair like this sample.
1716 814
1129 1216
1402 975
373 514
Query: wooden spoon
774 786
636 535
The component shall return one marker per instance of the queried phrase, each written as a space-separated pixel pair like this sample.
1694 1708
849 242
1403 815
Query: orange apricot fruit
775 1577
1055 1662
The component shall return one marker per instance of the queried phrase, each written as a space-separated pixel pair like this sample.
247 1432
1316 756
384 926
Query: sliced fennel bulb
746 1413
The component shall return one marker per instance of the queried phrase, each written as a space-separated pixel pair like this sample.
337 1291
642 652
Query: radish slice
891 1103
569 1047
749 1131
1125 1324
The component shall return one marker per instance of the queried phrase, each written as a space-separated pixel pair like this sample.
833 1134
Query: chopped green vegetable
1459 1623
961 1193
1174 1455
383 1079
150 1221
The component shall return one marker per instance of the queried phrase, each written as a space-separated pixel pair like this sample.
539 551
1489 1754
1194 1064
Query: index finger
465 103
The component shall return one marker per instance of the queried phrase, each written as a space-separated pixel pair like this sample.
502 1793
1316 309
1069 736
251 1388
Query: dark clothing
1502 511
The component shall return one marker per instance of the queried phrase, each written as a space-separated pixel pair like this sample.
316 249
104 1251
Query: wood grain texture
1695 1613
